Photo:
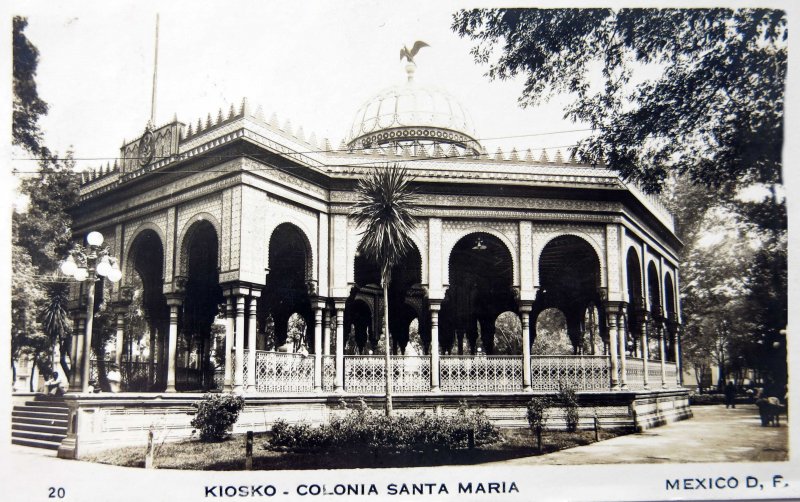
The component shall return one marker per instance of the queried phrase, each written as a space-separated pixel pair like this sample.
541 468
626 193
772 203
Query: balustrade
551 373
278 372
481 373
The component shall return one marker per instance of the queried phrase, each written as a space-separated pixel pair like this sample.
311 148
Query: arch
452 242
189 230
589 239
301 231
634 269
551 333
143 227
566 251
417 244
669 297
653 289
508 334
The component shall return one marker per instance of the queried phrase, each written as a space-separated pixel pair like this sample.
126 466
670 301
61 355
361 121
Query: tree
56 324
385 208
28 106
692 91
508 334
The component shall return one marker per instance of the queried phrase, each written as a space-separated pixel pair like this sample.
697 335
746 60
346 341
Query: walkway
715 434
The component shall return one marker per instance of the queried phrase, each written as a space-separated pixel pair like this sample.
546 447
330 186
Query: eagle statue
409 54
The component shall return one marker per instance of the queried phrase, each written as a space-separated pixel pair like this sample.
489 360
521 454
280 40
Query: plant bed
228 455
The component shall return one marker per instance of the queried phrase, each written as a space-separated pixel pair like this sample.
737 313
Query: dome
412 114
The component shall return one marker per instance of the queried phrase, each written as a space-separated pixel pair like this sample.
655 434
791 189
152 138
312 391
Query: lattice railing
365 374
654 374
411 374
551 373
634 373
282 372
671 376
480 373
328 373
246 368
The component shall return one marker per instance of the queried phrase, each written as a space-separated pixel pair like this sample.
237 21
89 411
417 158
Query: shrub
569 403
364 429
537 410
216 414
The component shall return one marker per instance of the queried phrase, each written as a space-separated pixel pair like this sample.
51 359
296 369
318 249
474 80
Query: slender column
120 345
339 383
86 359
230 313
645 350
251 343
326 332
238 374
318 348
623 347
661 353
613 334
525 312
435 347
173 303
677 348
77 355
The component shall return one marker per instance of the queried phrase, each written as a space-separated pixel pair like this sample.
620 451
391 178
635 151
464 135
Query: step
48 445
38 414
42 409
47 429
39 436
40 421
48 403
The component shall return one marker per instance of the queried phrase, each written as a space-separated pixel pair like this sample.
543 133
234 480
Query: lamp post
89 264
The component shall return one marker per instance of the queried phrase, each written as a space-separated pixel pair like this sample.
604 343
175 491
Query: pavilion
233 235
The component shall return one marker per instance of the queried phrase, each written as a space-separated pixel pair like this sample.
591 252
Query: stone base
101 421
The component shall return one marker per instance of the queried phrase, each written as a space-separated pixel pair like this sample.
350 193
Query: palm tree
385 208
56 324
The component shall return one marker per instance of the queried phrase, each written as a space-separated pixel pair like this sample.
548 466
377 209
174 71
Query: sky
314 63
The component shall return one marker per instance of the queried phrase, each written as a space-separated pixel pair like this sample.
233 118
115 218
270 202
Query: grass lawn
229 455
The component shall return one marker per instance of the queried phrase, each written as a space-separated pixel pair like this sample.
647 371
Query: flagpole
155 76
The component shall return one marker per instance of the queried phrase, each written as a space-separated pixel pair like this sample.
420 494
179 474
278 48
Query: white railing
654 374
551 373
282 372
671 376
328 373
367 374
634 373
480 373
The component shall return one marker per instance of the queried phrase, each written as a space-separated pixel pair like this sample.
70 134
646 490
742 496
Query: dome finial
409 55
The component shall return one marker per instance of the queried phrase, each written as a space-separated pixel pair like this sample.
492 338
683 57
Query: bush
216 414
537 410
364 429
569 403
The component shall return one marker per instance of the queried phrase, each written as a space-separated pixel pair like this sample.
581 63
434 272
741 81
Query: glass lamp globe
81 274
104 267
94 239
114 275
69 266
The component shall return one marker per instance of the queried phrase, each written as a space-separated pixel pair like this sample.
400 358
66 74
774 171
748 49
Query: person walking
730 395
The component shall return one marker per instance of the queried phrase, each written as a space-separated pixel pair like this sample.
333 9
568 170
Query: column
120 338
623 347
326 332
645 353
435 346
77 355
251 342
318 348
173 303
230 313
339 383
238 374
525 312
613 334
661 353
86 357
677 349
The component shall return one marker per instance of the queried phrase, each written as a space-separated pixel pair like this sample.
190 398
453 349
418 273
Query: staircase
41 423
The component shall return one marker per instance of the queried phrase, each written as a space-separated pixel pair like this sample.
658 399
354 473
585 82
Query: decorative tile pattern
480 373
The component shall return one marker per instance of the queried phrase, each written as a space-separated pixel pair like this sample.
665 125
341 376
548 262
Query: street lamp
89 264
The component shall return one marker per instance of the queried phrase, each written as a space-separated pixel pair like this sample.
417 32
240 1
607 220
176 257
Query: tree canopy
28 106
699 92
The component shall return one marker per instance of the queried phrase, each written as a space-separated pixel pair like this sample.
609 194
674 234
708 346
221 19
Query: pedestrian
56 386
730 395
